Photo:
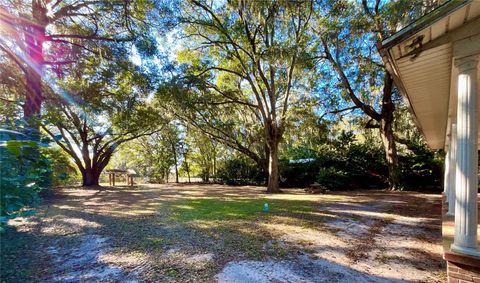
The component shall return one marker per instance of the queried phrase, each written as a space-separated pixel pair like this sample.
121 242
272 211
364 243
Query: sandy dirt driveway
215 233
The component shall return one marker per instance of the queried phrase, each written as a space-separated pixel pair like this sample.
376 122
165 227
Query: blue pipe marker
265 207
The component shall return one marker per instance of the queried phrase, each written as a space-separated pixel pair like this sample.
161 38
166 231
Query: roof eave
423 22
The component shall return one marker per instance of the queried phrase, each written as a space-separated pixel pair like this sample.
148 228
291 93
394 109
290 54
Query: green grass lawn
215 209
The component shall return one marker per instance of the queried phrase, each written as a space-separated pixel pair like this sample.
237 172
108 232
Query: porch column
465 240
446 176
452 150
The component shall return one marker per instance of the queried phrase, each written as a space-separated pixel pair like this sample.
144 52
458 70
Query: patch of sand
303 269
82 263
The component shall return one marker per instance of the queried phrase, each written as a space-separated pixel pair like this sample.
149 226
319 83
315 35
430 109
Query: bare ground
205 233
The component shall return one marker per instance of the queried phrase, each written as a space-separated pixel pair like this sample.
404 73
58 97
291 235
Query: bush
343 164
24 173
205 174
350 165
332 179
298 173
64 172
240 171
421 169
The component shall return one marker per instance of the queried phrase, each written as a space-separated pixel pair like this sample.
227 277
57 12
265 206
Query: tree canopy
278 93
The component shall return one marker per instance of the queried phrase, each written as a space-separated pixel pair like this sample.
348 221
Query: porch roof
420 59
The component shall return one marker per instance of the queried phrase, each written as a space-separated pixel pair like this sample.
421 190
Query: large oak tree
251 53
39 33
98 109
349 33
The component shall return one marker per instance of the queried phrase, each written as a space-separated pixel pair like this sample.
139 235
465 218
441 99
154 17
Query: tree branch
367 109
339 111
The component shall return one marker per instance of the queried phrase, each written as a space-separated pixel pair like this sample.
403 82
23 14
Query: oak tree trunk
386 132
388 140
93 170
90 177
273 168
207 175
33 100
265 162
34 39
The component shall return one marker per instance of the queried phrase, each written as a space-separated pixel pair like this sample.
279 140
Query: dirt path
199 233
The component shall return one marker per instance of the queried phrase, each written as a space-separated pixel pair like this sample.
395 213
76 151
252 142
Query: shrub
240 171
298 173
350 165
24 173
64 172
421 169
332 178
205 174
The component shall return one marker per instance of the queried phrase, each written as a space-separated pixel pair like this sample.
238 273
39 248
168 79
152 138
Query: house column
452 150
465 240
446 176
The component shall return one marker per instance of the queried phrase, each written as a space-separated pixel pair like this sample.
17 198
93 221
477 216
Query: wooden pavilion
129 175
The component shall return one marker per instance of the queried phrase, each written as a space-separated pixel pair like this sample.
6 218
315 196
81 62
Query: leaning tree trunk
273 168
388 140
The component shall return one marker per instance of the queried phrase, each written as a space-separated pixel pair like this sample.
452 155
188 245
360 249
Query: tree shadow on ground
166 226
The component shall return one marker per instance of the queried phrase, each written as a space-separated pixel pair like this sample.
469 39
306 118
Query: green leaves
241 171
15 147
24 172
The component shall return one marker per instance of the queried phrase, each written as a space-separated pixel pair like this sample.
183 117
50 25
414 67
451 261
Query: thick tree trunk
273 169
265 163
92 172
388 139
33 100
387 134
90 177
34 39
